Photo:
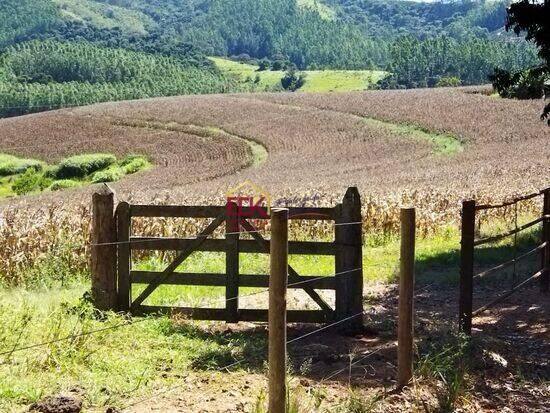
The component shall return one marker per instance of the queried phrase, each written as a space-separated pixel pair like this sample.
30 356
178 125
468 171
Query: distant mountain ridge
419 44
257 27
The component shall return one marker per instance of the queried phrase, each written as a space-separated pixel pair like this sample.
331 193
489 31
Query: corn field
303 149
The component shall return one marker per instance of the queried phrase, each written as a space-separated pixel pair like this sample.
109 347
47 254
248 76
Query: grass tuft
26 176
80 166
134 163
449 364
11 165
114 173
63 184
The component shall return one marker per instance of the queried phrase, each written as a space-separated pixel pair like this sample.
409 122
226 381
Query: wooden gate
346 248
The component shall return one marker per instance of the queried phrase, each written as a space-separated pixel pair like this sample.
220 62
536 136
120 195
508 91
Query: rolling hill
340 45
337 34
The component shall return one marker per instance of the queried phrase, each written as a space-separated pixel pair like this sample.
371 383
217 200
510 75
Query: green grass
340 80
443 144
120 364
5 187
28 176
259 151
269 80
316 80
79 166
111 366
131 361
12 165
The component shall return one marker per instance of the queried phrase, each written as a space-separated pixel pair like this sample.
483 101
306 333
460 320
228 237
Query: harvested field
317 144
305 149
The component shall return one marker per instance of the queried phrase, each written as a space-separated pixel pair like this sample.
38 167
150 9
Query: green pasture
316 80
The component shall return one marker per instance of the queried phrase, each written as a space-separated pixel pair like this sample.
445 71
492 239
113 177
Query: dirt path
511 372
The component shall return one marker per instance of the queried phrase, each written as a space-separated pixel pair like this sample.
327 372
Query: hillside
42 75
336 34
390 18
431 138
24 17
457 45
429 148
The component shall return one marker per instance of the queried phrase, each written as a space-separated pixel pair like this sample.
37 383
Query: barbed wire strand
157 239
208 303
309 334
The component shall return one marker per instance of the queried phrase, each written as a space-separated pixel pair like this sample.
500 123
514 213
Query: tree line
42 75
430 62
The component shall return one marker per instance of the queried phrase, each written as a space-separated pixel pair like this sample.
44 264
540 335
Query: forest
444 61
420 44
42 75
391 18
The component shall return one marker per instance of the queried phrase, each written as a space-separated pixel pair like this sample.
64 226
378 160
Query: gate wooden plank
179 278
218 314
179 259
177 211
202 211
219 280
293 276
220 245
292 316
175 244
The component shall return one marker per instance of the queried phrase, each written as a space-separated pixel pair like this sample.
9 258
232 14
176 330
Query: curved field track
431 147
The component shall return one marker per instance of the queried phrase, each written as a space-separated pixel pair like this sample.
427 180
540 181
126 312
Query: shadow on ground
508 356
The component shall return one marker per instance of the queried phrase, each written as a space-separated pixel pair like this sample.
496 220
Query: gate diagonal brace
196 243
293 276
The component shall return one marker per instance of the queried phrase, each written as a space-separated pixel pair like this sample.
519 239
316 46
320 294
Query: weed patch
27 176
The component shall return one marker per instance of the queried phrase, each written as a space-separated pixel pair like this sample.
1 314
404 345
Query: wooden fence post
277 310
406 298
232 263
349 261
467 266
124 250
545 278
103 257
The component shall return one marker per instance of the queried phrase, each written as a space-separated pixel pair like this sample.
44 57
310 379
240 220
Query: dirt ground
513 342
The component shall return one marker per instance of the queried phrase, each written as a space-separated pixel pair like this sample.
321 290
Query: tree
533 18
292 81
527 84
264 64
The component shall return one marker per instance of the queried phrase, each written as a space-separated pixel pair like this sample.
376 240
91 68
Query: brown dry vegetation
318 144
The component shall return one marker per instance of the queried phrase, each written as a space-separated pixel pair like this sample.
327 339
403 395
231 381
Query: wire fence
470 239
133 322
328 377
307 335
